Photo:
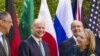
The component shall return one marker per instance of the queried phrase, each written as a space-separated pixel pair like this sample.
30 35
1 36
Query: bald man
65 47
34 46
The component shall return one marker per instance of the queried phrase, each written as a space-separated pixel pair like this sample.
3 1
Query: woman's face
82 41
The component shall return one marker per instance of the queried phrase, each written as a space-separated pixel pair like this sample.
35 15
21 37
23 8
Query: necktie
5 45
42 48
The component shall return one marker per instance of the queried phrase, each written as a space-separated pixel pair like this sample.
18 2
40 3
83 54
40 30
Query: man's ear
0 22
31 29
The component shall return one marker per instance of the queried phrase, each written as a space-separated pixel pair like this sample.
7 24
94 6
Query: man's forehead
76 22
39 22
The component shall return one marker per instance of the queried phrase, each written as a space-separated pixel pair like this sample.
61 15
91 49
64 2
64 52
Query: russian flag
50 35
63 20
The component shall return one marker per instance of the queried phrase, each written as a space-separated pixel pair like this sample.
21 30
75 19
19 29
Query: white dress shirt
40 44
1 40
75 40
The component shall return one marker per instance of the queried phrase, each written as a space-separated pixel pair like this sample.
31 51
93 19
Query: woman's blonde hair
91 39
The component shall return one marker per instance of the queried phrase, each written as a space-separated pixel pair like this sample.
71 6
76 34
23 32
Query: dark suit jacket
66 46
2 51
29 47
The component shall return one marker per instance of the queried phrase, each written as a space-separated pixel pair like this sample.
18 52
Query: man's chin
77 34
41 35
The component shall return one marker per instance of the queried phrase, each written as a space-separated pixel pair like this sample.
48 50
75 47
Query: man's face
77 28
38 30
7 23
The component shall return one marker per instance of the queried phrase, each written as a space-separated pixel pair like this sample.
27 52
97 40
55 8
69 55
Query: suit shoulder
67 41
24 43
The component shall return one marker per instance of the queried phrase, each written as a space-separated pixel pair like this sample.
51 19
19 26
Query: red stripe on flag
78 15
51 43
78 12
16 40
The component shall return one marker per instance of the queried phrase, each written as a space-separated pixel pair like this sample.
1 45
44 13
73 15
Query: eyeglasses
7 21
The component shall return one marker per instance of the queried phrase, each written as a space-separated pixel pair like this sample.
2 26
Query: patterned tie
42 48
5 45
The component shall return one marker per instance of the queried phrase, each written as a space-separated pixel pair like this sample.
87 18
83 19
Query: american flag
94 21
94 24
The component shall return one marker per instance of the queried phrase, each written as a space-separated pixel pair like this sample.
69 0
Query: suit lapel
2 51
73 41
35 46
8 45
45 48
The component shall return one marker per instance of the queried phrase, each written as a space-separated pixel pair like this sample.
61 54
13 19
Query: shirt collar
1 37
1 33
36 39
75 40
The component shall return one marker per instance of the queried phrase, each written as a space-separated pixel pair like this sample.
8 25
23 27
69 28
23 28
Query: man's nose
11 24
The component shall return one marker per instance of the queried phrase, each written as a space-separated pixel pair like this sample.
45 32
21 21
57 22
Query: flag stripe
74 6
51 43
59 31
78 12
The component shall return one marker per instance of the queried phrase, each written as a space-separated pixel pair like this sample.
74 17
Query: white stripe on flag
52 42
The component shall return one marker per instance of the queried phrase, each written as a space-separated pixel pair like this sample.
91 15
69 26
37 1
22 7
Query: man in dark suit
34 46
5 25
67 45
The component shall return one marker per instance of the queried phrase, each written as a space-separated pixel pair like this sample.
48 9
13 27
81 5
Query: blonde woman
86 44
